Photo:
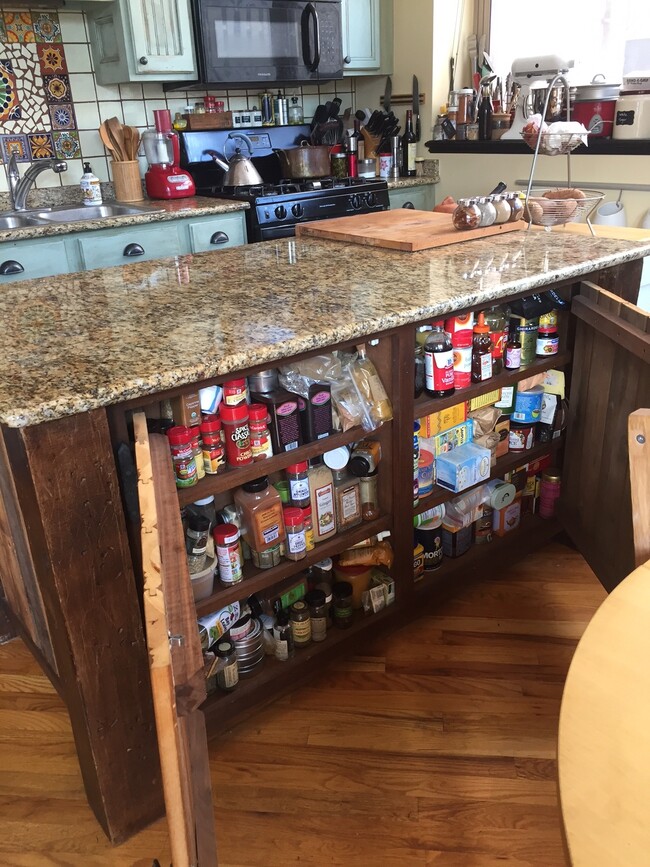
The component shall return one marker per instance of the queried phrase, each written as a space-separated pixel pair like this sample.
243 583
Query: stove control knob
280 212
371 200
297 210
356 202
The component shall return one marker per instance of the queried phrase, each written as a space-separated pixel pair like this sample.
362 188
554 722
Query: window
611 37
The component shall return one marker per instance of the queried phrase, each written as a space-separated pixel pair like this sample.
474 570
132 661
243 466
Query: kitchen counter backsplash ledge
75 343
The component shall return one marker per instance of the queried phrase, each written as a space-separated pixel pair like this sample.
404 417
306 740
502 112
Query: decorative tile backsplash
51 104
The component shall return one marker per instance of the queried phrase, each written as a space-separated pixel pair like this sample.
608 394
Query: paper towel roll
501 493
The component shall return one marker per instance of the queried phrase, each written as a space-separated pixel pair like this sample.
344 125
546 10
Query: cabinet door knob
219 238
347 59
11 267
133 250
409 205
143 60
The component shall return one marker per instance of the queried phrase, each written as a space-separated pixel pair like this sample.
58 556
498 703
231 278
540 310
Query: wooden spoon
131 142
116 134
107 140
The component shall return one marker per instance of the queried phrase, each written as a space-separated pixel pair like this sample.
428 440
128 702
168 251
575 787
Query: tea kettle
240 171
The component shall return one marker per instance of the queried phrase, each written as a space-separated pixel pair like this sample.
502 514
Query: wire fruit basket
543 209
554 144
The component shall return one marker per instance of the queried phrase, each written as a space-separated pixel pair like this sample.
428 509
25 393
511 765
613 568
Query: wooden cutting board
401 229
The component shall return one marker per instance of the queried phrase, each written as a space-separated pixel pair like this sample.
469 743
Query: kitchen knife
416 108
388 92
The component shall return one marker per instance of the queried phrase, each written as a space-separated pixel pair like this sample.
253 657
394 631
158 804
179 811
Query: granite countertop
423 181
161 211
86 340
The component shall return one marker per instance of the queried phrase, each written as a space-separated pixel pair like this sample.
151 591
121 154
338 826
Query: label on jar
296 542
301 631
498 340
185 471
299 490
318 628
349 504
325 517
240 445
228 676
547 345
281 648
309 538
230 567
439 370
485 361
513 357
269 521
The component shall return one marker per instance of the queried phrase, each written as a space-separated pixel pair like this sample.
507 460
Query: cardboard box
433 424
463 467
485 399
451 439
505 520
186 409
502 427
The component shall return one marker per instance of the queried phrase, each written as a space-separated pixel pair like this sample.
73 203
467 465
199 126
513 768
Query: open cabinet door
610 380
175 657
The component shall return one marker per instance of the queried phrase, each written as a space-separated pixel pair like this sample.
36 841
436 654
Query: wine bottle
485 115
408 148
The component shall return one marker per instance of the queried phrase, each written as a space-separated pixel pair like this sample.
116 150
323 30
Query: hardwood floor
436 747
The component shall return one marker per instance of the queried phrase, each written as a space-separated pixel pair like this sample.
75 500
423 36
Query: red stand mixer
164 179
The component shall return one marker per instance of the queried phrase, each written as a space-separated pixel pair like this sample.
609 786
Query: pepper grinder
396 152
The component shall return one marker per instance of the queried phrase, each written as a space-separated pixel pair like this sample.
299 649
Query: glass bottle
369 499
496 319
467 214
439 362
283 635
300 624
420 371
485 112
196 542
347 496
227 670
315 599
408 147
488 212
502 208
342 604
516 207
309 528
481 351
295 112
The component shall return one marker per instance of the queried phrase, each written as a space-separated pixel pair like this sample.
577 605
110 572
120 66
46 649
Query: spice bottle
227 670
309 528
315 599
298 484
323 510
488 212
369 499
503 209
296 545
260 435
342 604
229 555
237 435
235 392
214 452
347 496
496 318
300 624
206 508
481 351
513 349
467 214
439 362
365 458
196 542
180 444
261 515
516 207
283 635
197 451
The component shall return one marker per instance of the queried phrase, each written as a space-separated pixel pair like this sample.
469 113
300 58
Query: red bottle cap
481 327
292 516
225 534
210 424
233 413
235 383
179 435
298 468
257 412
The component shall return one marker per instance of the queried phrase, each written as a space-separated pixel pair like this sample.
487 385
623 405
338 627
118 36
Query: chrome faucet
19 187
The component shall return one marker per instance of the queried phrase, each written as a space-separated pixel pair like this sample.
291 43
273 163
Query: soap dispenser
91 190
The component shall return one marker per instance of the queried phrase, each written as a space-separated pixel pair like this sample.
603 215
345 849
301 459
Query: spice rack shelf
220 706
256 580
426 405
504 464
232 478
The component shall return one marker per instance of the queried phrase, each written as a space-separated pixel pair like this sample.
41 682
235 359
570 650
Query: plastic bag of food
380 554
370 389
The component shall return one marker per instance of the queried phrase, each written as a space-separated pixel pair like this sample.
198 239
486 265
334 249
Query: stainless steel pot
305 161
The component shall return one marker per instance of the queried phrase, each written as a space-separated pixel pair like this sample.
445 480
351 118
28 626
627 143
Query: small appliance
164 179
527 71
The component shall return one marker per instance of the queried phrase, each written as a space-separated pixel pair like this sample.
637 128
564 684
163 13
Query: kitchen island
81 352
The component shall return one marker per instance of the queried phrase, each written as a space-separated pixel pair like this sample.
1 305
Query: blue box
463 467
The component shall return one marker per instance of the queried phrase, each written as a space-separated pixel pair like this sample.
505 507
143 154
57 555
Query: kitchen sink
91 212
18 221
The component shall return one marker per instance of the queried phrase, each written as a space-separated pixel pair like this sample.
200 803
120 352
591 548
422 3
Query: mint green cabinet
367 37
22 260
135 244
422 198
217 233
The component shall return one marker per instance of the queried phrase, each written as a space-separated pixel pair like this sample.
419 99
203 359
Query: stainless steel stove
278 205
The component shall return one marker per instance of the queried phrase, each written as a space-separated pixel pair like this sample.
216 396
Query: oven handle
311 63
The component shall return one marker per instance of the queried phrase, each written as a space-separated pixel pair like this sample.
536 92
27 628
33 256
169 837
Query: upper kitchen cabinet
150 40
367 37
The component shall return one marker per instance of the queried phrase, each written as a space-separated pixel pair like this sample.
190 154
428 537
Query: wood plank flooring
436 747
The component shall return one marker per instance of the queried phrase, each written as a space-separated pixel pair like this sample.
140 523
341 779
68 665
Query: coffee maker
164 179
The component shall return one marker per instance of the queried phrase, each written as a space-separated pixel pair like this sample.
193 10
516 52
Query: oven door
269 41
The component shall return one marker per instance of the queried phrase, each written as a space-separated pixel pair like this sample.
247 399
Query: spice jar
229 554
516 207
369 500
365 458
342 604
502 208
309 528
315 599
262 523
213 452
488 212
347 496
550 489
237 435
321 488
260 434
298 484
296 546
283 635
339 164
196 542
197 451
300 624
235 392
467 214
227 670
180 444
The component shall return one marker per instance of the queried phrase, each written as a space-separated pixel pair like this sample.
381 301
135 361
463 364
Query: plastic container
203 581
237 435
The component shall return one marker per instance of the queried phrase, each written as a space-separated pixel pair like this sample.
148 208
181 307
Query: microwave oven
264 42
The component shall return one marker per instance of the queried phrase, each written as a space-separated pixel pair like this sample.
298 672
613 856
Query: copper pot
305 161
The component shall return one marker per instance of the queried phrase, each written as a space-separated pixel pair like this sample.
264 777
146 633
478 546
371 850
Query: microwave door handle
310 62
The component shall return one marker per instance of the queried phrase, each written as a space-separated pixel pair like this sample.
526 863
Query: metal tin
263 381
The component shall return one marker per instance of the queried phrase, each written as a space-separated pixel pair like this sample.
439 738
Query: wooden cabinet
146 41
367 36
421 198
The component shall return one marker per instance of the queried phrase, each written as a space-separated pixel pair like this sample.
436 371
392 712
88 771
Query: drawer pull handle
409 205
347 59
143 60
11 267
219 238
133 250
